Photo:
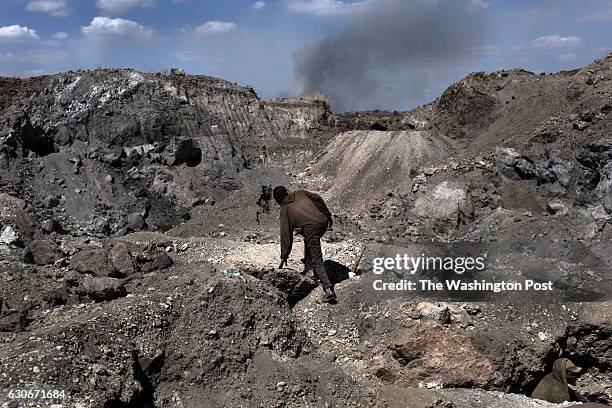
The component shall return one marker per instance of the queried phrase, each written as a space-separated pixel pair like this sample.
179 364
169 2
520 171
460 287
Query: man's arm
318 200
286 233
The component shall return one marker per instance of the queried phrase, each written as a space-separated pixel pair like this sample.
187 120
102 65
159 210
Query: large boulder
446 201
155 262
101 289
44 252
513 165
121 259
93 261
13 321
432 353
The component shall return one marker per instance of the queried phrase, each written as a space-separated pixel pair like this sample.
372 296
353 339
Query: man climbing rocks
307 212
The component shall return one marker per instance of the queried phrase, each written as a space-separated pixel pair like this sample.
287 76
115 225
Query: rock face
113 136
442 357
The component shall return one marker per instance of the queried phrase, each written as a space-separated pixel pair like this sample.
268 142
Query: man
307 212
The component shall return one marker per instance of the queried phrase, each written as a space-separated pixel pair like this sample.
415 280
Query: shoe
328 295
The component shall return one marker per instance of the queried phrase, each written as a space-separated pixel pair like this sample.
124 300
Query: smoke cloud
388 52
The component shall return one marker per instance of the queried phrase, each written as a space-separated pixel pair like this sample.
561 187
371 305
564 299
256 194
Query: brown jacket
300 209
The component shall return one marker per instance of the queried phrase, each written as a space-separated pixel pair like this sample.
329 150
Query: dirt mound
520 109
363 164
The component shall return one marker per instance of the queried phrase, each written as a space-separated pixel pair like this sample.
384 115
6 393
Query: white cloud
60 36
258 5
477 5
215 27
555 41
323 7
55 8
117 27
17 33
122 6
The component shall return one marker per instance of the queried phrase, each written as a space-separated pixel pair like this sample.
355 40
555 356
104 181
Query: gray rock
413 123
9 236
460 316
135 222
49 226
102 227
439 312
581 125
513 165
557 208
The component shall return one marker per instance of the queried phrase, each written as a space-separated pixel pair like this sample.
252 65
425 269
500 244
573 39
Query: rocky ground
138 242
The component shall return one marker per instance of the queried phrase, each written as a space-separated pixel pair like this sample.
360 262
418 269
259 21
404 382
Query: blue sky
254 43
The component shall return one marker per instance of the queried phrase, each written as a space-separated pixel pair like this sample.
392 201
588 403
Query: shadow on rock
336 271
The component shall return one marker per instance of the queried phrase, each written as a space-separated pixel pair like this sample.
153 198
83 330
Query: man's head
279 194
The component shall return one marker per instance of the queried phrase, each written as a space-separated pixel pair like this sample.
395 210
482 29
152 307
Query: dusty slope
362 164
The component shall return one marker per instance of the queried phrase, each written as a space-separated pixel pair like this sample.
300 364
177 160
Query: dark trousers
312 252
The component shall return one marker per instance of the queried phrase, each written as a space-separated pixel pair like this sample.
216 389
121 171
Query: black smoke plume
388 51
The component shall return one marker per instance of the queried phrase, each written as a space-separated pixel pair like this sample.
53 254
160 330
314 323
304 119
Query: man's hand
283 262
